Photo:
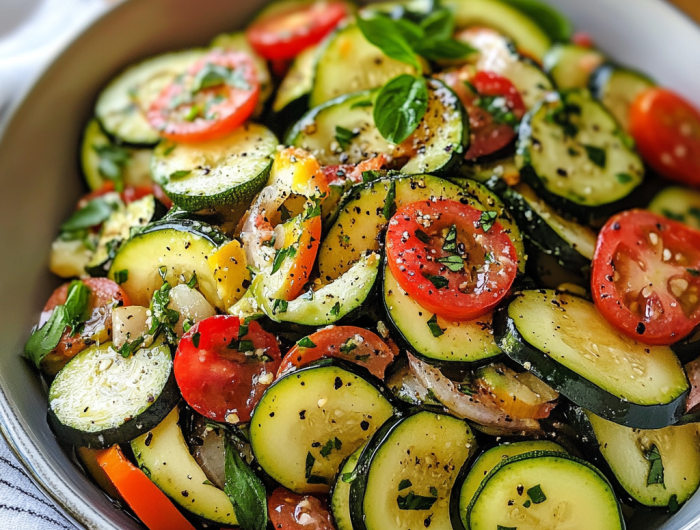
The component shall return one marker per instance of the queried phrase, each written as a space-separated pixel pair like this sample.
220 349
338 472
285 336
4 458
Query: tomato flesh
350 343
129 194
646 277
666 128
216 95
284 35
340 175
290 511
223 375
459 284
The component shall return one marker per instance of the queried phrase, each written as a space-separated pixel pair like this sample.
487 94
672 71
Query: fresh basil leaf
128 348
422 236
309 465
596 155
385 35
113 160
344 136
487 220
438 48
121 276
245 491
435 329
389 208
656 470
439 24
438 281
77 303
360 104
450 244
400 106
405 483
335 310
415 502
411 31
94 213
536 494
454 263
279 258
279 306
306 342
43 340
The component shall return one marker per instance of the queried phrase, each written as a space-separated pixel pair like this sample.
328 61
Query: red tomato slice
129 195
104 296
216 95
350 343
454 260
583 39
667 130
289 511
223 375
646 277
285 34
490 131
340 175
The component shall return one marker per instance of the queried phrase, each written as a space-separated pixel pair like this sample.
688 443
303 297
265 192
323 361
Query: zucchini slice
361 216
630 454
323 412
543 490
616 88
571 66
101 160
101 398
122 105
460 342
406 473
223 172
570 243
564 341
504 18
347 62
471 477
438 144
296 86
181 246
678 203
573 153
118 228
329 304
164 456
340 496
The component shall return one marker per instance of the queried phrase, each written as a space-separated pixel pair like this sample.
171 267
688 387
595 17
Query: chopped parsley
344 136
656 470
390 202
422 236
195 339
281 255
435 329
454 263
335 310
121 276
536 494
597 155
415 502
306 342
624 178
450 244
487 220
405 483
279 306
348 346
180 174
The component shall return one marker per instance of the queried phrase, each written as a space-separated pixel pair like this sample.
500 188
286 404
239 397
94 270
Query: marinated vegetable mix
383 267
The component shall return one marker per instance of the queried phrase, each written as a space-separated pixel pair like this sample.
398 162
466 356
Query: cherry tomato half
353 344
454 260
646 277
217 94
667 130
290 511
352 173
104 296
285 34
222 373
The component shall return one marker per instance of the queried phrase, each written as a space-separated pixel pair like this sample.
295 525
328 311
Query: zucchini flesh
182 247
101 398
164 456
347 62
572 152
564 341
419 455
571 66
617 88
298 82
576 496
438 143
122 105
309 409
460 342
340 497
227 171
627 453
679 204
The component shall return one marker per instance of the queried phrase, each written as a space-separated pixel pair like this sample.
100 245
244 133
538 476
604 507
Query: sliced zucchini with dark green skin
347 62
323 412
571 66
631 454
406 473
502 168
119 227
122 105
460 343
292 98
678 203
182 247
103 161
616 88
438 144
361 216
558 27
689 348
543 489
471 476
570 243
329 304
564 340
224 172
340 496
164 456
101 398
547 272
574 155
504 18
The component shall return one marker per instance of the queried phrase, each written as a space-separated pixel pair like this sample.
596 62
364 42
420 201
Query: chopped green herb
693 272
597 155
245 491
487 220
438 281
113 160
454 263
327 449
212 75
187 325
422 236
195 339
129 348
673 505
624 178
497 107
433 491
192 282
121 276
337 444
400 106
656 470
360 104
415 502
279 306
308 467
180 174
450 244
536 494
390 202
435 329
246 346
193 113
92 214
344 136
306 342
348 346
335 310
285 214
405 483
169 149
280 256
316 479
527 504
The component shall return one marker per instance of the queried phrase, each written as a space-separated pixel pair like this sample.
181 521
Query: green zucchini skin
689 348
576 387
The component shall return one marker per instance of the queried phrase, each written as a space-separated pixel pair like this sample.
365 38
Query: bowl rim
71 505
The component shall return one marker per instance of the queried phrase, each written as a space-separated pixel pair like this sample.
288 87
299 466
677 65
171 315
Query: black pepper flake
521 489
302 415
338 383
364 425
149 439
641 328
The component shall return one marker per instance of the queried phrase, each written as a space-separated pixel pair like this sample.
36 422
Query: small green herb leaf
693 272
385 35
435 329
596 155
422 236
405 483
390 202
335 310
308 467
454 263
279 306
536 494
121 276
450 244
92 214
438 281
400 106
344 136
306 342
656 470
180 174
433 491
487 220
245 491
192 282
624 178
195 339
415 502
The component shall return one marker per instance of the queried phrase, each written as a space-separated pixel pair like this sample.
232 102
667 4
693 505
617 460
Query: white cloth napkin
31 33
